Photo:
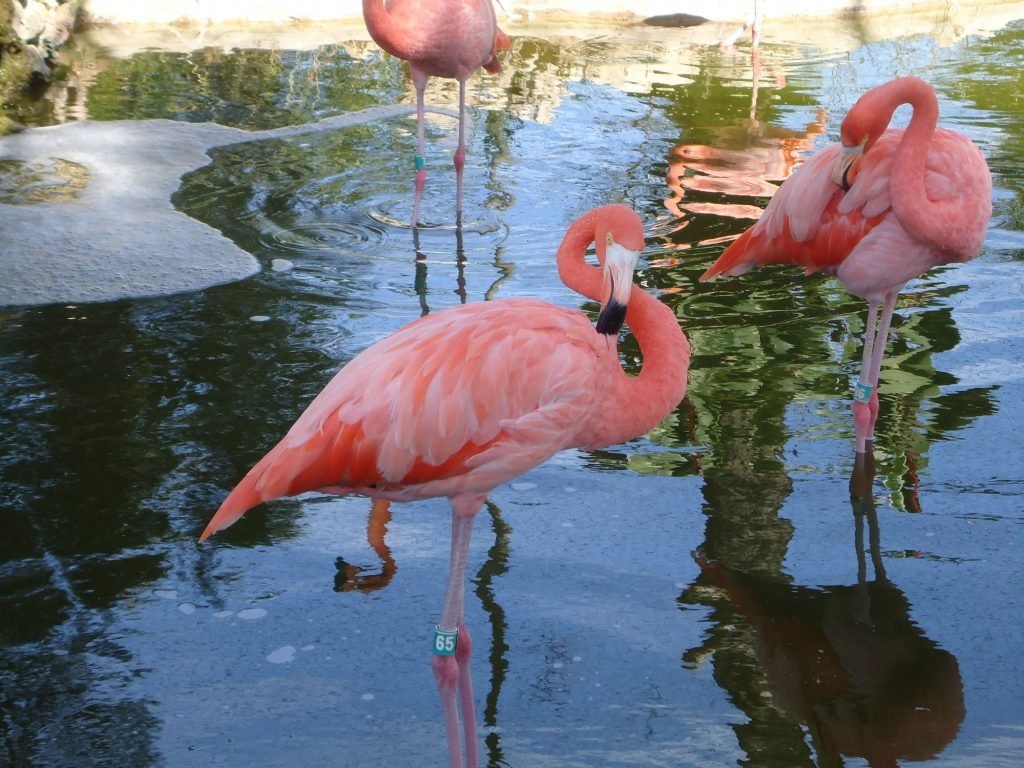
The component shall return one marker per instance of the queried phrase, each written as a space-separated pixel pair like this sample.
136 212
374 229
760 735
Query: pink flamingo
444 38
462 400
879 208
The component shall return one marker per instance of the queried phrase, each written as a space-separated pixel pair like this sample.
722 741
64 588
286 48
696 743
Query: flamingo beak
841 171
618 266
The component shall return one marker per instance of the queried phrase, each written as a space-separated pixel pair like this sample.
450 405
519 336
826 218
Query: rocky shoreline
31 34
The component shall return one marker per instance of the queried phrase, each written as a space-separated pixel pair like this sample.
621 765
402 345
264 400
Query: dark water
817 633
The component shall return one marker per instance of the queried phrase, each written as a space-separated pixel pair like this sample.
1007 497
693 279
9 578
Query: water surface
816 634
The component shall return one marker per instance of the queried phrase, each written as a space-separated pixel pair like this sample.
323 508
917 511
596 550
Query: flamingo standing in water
882 206
462 400
444 38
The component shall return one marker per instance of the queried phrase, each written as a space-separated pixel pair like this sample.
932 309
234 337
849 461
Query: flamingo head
861 127
868 119
618 239
844 172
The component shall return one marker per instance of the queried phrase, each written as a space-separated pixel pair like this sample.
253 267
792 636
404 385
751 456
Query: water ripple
363 235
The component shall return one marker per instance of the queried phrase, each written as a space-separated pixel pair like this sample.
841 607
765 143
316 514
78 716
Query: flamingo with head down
877 209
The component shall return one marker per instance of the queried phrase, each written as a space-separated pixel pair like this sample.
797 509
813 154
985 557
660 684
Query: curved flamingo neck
573 268
936 222
659 387
390 31
631 405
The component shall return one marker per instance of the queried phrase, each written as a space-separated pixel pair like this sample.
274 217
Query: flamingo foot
453 677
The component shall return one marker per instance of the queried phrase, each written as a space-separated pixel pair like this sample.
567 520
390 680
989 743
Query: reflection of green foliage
1014 214
248 88
715 98
24 183
993 79
248 185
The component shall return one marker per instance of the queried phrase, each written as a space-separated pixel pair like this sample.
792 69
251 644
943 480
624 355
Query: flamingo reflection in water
745 161
356 578
847 661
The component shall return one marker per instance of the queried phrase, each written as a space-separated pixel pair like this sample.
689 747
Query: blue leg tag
421 162
445 641
862 392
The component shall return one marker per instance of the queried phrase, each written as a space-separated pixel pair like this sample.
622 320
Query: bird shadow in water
847 661
360 578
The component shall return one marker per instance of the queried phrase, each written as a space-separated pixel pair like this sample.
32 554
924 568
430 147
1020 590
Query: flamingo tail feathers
243 498
501 43
279 473
737 259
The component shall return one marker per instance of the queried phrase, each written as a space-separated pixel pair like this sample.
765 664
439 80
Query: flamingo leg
755 27
865 390
452 670
460 153
876 333
419 80
883 335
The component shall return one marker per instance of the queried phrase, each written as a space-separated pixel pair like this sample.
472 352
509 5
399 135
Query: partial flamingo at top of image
439 38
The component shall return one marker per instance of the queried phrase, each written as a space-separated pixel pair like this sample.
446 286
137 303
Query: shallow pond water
816 633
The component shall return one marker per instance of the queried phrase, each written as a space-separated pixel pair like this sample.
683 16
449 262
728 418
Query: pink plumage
462 400
458 401
877 209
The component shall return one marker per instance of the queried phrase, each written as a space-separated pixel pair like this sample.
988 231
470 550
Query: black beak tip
612 317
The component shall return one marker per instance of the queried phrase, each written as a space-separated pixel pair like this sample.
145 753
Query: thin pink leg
883 335
452 671
865 412
420 82
881 338
864 393
755 27
460 153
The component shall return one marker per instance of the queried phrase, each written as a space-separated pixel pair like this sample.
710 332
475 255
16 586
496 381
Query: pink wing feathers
811 221
447 404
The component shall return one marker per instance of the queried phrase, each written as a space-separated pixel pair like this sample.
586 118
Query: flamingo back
815 224
443 38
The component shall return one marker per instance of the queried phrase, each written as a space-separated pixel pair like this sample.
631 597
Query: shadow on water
845 661
125 423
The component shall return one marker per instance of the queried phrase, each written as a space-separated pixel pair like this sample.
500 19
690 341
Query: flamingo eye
608 239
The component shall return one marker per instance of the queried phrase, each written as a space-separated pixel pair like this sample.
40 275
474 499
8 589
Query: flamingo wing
457 401
811 221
